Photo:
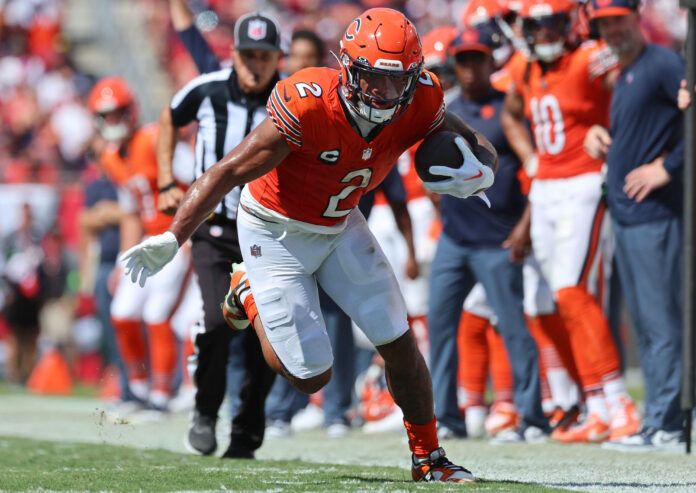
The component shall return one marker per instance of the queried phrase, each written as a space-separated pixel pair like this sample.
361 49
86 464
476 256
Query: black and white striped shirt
225 115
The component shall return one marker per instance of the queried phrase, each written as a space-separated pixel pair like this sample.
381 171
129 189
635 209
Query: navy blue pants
649 262
455 270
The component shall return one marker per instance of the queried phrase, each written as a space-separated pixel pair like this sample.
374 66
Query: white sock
140 389
615 391
596 404
564 390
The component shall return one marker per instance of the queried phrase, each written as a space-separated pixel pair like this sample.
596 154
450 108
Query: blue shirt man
471 249
644 153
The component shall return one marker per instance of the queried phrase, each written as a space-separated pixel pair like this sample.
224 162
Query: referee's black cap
255 31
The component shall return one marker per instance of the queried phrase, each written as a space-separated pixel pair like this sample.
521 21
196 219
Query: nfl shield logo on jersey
257 29
367 153
255 251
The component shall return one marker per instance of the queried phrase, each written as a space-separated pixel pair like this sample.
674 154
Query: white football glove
471 178
149 257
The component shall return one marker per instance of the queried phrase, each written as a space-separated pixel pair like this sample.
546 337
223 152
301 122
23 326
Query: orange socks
422 439
472 346
590 337
250 307
162 357
501 371
131 345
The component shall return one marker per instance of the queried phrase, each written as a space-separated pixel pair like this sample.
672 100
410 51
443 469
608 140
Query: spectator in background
645 159
22 253
306 50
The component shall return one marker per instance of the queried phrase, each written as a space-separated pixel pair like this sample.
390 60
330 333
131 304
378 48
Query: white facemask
114 133
549 52
374 115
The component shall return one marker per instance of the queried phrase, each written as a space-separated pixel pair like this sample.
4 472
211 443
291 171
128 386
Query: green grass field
40 465
68 444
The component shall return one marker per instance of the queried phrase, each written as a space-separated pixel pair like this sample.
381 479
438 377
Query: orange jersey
136 172
331 165
407 170
562 104
502 79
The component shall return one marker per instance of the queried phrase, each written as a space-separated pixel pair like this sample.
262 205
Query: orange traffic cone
51 375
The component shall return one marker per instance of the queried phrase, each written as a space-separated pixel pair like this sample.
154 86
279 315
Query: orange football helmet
113 104
109 94
546 26
435 45
483 11
381 59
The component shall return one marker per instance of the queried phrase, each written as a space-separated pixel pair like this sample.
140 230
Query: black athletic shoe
238 452
201 435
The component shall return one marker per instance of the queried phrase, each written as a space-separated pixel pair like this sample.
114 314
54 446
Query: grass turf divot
28 464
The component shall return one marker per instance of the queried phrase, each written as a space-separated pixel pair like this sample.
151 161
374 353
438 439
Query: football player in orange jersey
332 135
129 160
563 90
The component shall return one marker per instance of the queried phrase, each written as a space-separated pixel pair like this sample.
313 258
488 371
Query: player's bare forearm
166 140
182 17
131 230
480 145
261 151
514 126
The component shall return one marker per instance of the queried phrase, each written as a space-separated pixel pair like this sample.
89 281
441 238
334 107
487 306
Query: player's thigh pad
286 292
570 207
538 298
129 299
166 289
361 281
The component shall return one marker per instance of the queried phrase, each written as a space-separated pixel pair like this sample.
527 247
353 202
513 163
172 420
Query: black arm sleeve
200 51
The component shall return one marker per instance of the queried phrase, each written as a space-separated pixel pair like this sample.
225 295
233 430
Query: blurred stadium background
51 54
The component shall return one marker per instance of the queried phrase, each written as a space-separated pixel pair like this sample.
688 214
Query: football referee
227 104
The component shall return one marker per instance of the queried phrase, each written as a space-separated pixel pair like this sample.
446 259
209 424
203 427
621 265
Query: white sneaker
392 422
447 433
310 418
528 434
184 401
475 419
337 430
649 440
278 429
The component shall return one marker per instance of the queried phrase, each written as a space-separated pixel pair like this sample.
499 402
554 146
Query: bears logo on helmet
381 59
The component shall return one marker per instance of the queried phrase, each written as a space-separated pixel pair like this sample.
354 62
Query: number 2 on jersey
332 209
549 131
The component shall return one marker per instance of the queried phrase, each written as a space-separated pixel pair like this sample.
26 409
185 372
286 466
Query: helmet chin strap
362 122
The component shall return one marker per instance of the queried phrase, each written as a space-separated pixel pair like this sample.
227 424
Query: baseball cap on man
479 38
256 31
610 8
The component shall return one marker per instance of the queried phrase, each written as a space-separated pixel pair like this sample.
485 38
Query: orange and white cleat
502 416
625 420
437 467
232 306
593 430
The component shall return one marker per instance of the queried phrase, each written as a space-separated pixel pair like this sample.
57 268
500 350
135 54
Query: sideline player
130 161
332 135
562 91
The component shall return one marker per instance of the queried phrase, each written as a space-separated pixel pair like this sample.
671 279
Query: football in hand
437 149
